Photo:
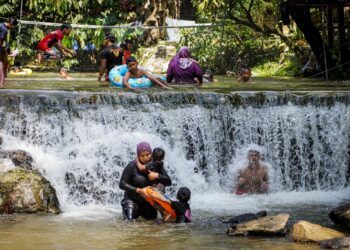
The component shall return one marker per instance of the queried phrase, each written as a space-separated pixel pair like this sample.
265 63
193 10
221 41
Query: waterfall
81 142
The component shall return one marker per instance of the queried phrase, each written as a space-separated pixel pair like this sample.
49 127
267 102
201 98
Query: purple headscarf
143 146
183 58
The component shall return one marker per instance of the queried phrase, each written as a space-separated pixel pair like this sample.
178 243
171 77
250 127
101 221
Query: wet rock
336 243
304 231
19 158
269 225
234 221
341 215
23 191
156 59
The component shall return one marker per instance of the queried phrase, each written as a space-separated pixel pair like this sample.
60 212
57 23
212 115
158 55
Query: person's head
111 38
66 28
144 152
208 75
245 74
253 157
158 154
12 22
184 194
64 72
128 44
184 52
131 62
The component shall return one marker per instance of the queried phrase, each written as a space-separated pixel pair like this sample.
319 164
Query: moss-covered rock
24 191
341 215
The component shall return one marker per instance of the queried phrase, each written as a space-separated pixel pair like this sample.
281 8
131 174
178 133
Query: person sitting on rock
253 179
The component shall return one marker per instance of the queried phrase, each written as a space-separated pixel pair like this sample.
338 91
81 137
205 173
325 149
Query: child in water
64 74
135 72
181 206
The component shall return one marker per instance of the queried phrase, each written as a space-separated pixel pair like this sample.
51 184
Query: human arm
198 73
170 73
62 48
264 187
163 177
153 79
102 68
126 80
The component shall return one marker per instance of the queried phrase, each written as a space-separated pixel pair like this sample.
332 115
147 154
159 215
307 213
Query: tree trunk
302 17
154 13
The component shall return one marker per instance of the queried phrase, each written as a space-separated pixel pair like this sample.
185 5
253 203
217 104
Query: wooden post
341 32
330 27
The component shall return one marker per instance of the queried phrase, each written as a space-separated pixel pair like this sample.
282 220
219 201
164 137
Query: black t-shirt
3 33
113 58
183 211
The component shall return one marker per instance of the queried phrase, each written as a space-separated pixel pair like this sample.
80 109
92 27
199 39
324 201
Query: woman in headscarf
184 69
134 178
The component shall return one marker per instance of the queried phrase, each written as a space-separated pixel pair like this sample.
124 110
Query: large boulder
336 243
341 215
156 59
269 225
19 158
304 231
24 191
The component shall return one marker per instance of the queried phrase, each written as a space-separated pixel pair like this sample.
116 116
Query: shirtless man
135 72
254 178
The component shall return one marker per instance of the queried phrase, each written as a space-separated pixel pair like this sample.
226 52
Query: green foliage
235 46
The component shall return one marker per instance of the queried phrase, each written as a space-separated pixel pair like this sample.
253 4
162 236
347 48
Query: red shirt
50 40
127 54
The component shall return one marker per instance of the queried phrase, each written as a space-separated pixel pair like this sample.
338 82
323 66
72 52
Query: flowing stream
81 143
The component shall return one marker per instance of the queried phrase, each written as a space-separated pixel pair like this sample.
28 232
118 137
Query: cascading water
82 142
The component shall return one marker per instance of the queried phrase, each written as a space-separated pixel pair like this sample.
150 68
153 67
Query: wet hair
127 41
66 26
158 154
184 194
130 59
254 151
13 21
63 69
111 37
17 64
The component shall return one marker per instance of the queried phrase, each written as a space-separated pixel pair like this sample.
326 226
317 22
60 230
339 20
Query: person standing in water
134 179
4 48
253 179
54 40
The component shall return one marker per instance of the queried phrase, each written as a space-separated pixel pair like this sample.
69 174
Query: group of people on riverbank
147 170
182 69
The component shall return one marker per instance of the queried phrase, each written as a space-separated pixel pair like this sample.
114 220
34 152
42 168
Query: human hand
73 52
142 192
14 53
242 181
153 176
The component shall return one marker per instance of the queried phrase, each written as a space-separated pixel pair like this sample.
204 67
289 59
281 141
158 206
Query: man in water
245 75
4 49
254 178
111 56
54 40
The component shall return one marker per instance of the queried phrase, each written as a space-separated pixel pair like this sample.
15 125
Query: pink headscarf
183 58
143 146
